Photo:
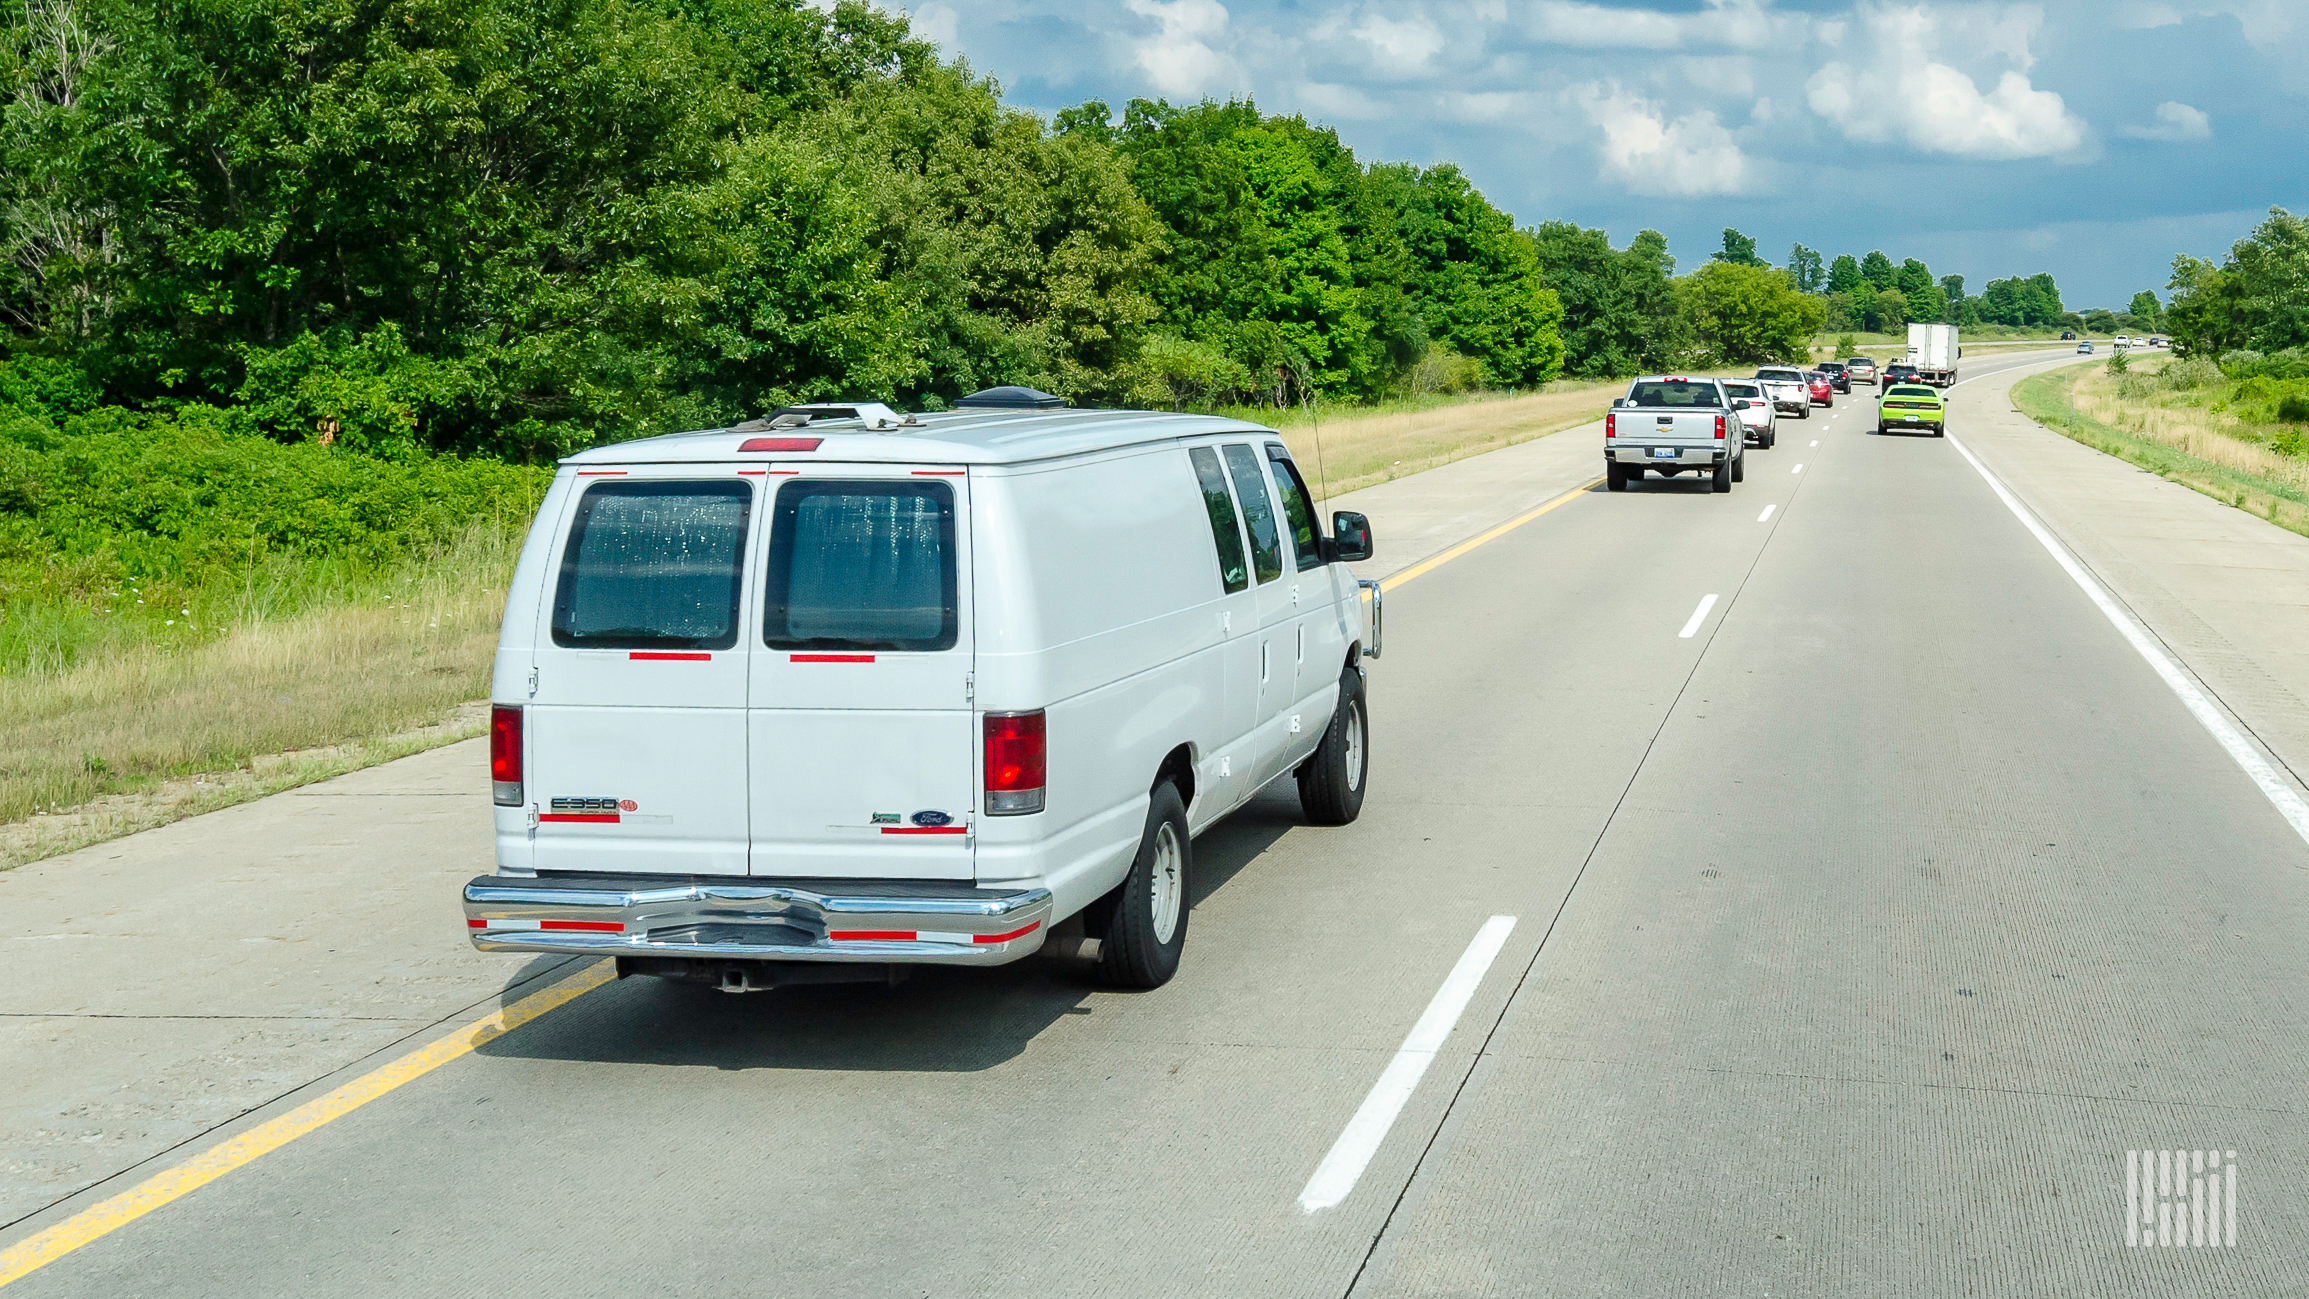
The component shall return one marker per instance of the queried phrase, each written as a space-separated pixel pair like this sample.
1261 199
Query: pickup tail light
505 754
1719 426
1611 426
1016 763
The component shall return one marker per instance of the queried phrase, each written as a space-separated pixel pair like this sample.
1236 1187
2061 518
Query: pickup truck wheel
1331 779
1739 469
1723 479
1146 923
1615 477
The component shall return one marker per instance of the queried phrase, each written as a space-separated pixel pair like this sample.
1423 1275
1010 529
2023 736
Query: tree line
481 227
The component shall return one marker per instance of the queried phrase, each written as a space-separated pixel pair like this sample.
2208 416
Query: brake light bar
1016 763
505 754
780 444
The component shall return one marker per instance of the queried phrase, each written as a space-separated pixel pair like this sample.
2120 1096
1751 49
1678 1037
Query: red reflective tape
925 829
601 473
1004 938
605 818
830 658
940 473
781 473
752 473
596 926
476 924
871 935
668 657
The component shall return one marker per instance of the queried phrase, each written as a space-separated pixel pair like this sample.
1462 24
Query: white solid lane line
1335 1177
2281 795
1767 511
1700 614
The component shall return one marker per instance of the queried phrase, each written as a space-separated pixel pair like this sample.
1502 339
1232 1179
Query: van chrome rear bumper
722 917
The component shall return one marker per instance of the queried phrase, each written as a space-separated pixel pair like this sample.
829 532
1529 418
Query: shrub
1845 343
2190 373
2118 364
2293 408
1442 370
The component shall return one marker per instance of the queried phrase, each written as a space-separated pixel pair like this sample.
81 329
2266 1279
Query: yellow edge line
46 1247
1393 580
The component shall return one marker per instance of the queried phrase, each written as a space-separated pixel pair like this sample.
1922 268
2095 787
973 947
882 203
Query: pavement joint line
1433 562
2198 699
1563 904
1334 1179
49 1244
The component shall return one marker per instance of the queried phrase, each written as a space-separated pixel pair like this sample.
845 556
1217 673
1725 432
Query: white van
823 695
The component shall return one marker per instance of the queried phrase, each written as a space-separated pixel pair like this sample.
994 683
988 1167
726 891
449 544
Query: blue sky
2094 140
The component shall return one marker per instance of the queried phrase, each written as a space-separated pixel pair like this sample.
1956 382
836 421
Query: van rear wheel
1331 779
1146 922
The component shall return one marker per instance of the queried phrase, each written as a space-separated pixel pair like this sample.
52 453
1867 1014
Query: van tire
1133 954
1332 778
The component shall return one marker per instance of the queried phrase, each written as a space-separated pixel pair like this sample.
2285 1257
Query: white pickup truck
1787 389
1671 423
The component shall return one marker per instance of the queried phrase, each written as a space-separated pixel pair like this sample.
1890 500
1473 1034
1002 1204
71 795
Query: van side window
861 566
1226 528
653 565
1298 510
1266 544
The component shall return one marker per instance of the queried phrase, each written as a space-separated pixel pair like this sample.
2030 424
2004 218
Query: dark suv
1900 372
1835 372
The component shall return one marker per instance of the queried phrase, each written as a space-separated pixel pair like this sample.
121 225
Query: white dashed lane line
1699 616
1797 470
1767 512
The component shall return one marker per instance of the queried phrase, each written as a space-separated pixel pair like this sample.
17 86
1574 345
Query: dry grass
2173 434
364 680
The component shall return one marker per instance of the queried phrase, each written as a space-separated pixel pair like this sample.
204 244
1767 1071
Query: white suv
1756 414
813 698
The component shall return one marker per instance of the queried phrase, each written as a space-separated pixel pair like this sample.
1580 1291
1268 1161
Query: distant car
2067 334
2156 342
2084 347
1860 369
2122 341
1787 389
1901 372
1912 405
1835 372
1757 418
1822 390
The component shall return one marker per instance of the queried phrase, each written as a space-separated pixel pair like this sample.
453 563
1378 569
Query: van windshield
1673 392
861 566
653 565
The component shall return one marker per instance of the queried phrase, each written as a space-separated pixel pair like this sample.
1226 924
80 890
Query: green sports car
1912 405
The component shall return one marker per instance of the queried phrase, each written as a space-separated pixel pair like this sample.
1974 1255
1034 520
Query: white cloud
1735 24
2175 121
1346 103
1179 59
937 22
1399 48
1649 154
1899 89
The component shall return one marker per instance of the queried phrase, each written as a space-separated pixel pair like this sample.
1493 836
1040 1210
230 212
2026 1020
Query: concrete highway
1805 890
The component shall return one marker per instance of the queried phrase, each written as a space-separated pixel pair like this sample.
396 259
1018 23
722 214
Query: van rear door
859 699
635 731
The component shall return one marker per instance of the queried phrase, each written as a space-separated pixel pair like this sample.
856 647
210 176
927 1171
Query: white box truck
1933 350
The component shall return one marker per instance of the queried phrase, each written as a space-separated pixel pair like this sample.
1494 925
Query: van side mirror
1350 537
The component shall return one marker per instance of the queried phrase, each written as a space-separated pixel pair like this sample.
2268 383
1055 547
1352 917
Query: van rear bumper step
936 922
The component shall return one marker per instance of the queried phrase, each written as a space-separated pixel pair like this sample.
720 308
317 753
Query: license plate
1663 453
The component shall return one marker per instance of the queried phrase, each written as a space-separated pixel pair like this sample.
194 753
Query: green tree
1743 315
2206 313
2146 307
1620 314
1844 274
1878 270
2271 267
1738 249
1804 266
1952 299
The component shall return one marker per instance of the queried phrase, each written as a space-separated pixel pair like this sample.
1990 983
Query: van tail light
1719 428
1611 426
1015 763
505 754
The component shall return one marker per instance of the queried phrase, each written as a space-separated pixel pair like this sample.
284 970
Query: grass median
2186 433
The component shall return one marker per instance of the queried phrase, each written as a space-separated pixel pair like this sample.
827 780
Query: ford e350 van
831 693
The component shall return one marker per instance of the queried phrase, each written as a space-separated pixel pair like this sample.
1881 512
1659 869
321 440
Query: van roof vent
873 414
1010 397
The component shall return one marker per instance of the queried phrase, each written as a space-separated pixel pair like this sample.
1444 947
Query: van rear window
861 566
1266 542
653 565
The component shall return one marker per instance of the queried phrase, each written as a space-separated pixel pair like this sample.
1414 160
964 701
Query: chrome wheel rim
1354 744
1169 882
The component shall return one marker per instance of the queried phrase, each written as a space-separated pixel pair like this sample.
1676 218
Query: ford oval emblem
931 817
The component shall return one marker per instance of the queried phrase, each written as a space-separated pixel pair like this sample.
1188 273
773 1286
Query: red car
1823 391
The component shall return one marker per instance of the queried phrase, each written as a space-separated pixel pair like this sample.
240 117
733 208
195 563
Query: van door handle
1294 594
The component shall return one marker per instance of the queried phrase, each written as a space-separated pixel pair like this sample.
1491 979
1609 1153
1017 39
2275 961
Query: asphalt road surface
1862 921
